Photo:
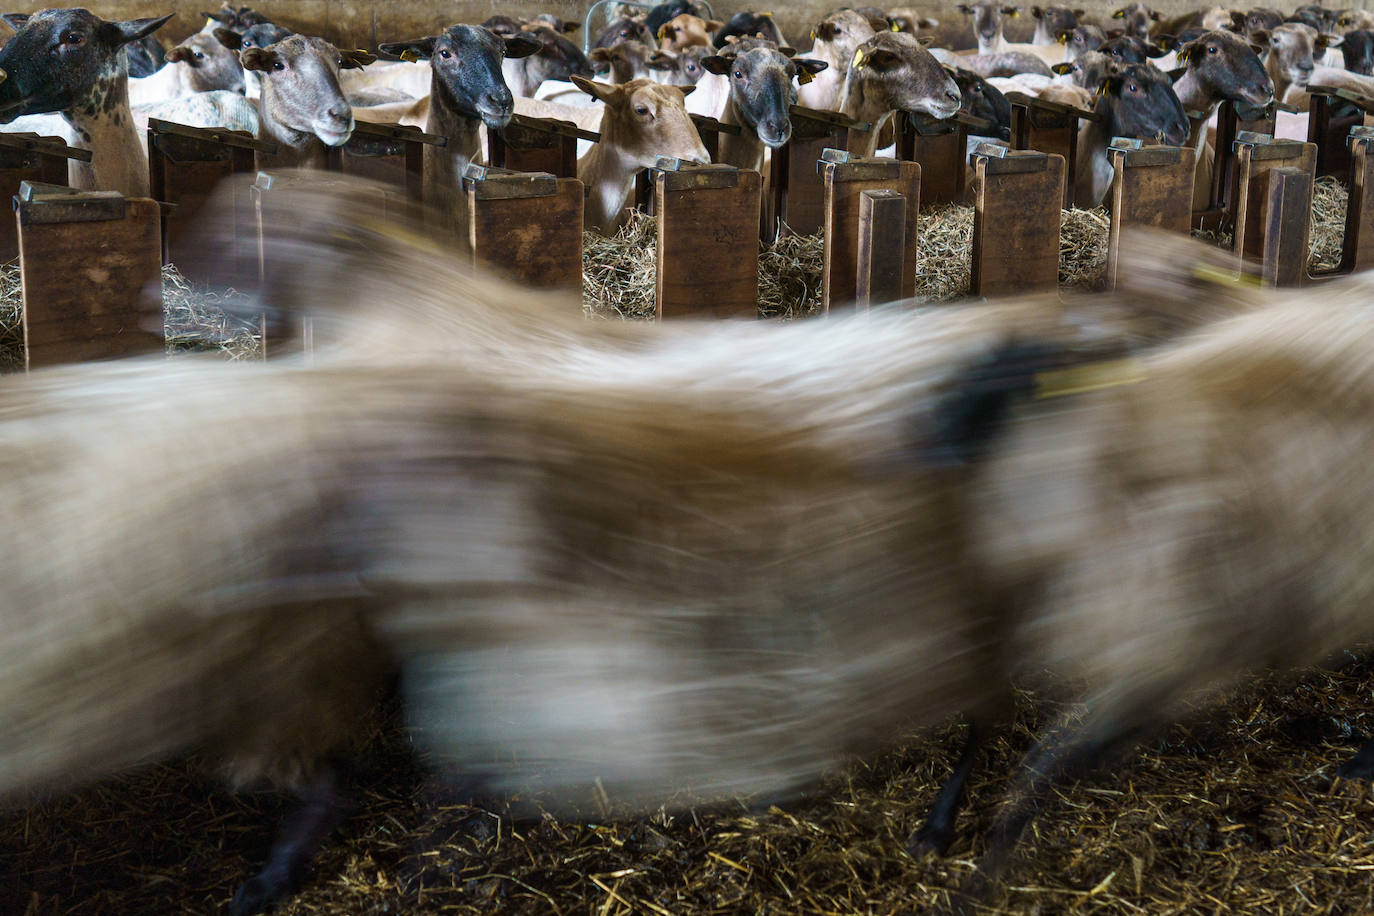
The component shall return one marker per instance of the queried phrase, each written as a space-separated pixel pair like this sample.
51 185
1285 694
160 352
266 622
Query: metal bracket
38 202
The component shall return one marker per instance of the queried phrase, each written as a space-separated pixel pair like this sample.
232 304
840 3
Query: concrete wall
363 23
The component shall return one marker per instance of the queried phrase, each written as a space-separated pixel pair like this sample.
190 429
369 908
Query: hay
1329 198
1230 813
194 319
790 277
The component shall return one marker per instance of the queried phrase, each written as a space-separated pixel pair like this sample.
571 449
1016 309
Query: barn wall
362 23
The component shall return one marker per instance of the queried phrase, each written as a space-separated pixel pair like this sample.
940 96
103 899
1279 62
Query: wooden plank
940 148
1151 186
1357 252
534 240
1229 125
525 147
1016 216
798 189
1287 224
708 251
29 157
1329 121
111 305
882 248
184 167
386 153
1048 128
1256 155
846 180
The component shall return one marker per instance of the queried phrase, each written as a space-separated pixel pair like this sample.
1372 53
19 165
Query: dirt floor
1235 813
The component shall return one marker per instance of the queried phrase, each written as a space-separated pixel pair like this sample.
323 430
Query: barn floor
1235 813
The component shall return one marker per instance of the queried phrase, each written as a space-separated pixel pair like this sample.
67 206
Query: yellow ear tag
804 77
1063 38
1119 14
859 60
662 30
768 13
210 23
894 26
409 56
1057 383
1102 89
813 34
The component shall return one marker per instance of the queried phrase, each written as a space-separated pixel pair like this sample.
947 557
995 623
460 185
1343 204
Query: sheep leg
937 833
1361 766
318 810
1047 764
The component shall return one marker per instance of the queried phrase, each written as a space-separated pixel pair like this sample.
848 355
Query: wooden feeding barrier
112 305
1232 119
1049 127
710 130
1288 200
941 148
29 157
1151 186
1266 211
708 240
870 230
526 225
798 190
389 153
1330 116
537 145
184 166
1016 215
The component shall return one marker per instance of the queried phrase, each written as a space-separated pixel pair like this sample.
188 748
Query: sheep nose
339 112
499 99
953 96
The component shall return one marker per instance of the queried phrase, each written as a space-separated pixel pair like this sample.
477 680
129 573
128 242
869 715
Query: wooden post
1331 115
940 147
1232 119
537 145
184 166
109 306
1256 154
388 153
798 191
1287 223
709 129
1151 186
882 247
708 240
29 157
846 180
1016 215
1049 127
526 226
1357 252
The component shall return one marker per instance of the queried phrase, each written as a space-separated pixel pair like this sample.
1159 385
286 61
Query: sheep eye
278 65
445 54
73 38
739 75
641 110
1212 49
1134 88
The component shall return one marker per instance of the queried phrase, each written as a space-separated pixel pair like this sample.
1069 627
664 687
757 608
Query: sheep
259 35
893 72
1357 51
71 61
641 121
1051 21
1084 38
682 69
217 108
686 31
761 96
201 63
628 60
303 108
467 91
663 12
1135 20
557 59
749 24
1289 60
986 17
1136 100
834 40
907 19
624 29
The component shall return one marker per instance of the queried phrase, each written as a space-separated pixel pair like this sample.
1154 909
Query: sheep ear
355 59
414 50
1062 68
134 29
687 90
600 91
15 20
229 38
257 59
716 64
521 46
179 53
